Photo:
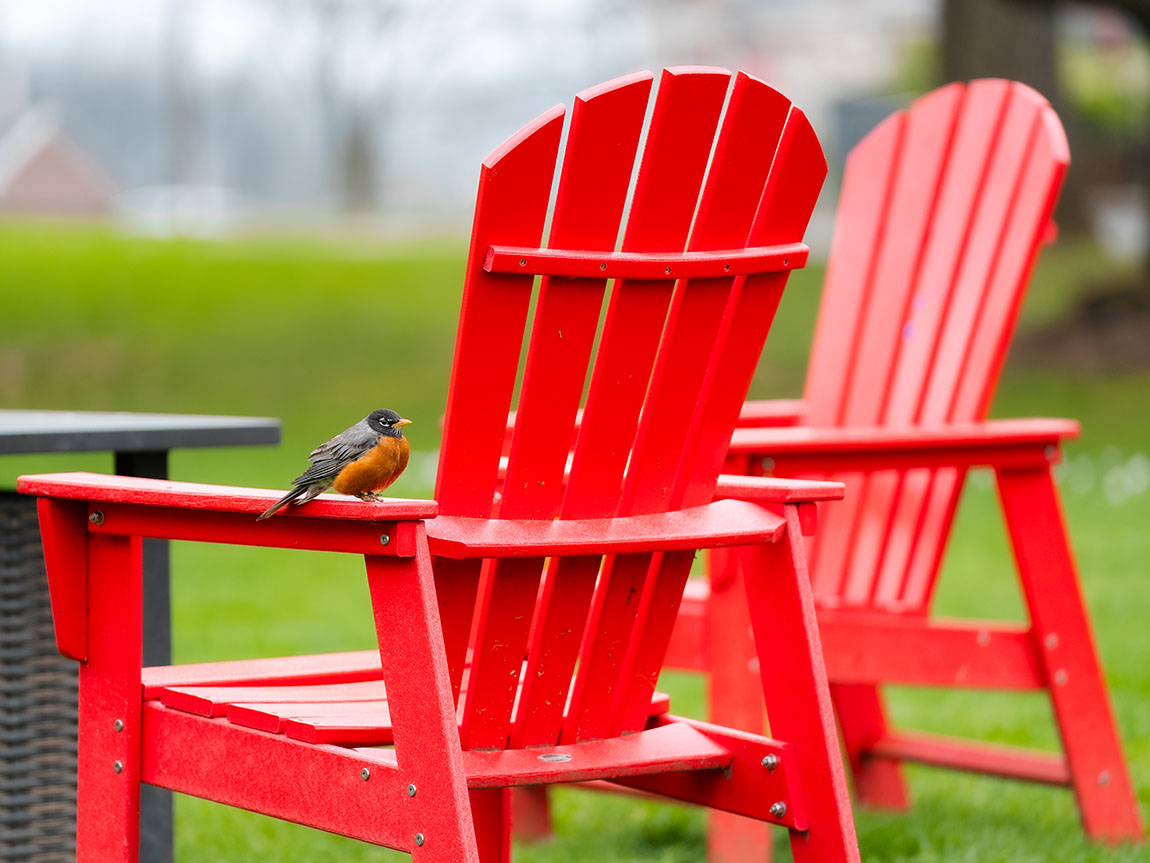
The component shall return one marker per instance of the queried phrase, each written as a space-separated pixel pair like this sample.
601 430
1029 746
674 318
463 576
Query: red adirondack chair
942 212
520 632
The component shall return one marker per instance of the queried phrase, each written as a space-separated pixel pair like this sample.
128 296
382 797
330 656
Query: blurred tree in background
1109 138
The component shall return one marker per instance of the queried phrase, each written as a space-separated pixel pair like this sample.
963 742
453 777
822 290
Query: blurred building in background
43 172
214 114
288 109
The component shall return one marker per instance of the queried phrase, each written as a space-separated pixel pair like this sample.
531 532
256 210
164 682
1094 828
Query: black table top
89 431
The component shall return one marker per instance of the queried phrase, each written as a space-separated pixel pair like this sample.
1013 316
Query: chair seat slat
214 700
318 668
669 748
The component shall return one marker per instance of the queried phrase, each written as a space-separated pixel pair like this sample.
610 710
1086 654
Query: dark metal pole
155 803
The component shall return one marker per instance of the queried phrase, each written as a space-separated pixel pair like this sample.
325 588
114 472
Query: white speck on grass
1080 474
1138 474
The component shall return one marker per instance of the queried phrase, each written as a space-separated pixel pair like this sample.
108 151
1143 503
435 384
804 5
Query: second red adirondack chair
941 215
520 632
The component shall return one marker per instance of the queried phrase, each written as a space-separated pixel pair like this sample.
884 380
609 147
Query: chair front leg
794 681
418 683
108 769
1065 648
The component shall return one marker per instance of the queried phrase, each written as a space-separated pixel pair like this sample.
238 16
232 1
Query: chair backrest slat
659 472
966 313
666 194
797 174
863 205
687 127
577 633
514 189
728 202
883 537
925 147
600 153
1045 162
687 106
596 172
922 292
510 208
784 210
979 124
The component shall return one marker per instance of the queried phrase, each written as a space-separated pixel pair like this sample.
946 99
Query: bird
361 461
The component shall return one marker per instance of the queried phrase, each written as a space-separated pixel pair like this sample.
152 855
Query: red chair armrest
74 505
99 488
776 489
721 523
993 443
772 413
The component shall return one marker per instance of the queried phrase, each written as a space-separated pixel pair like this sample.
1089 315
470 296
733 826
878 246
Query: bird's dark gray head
387 422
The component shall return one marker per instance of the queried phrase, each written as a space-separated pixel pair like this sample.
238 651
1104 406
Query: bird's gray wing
329 458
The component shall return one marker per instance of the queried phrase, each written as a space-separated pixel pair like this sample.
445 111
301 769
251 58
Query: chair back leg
878 782
734 699
531 813
491 811
1066 651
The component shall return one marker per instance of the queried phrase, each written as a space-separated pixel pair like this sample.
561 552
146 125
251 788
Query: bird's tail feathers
283 501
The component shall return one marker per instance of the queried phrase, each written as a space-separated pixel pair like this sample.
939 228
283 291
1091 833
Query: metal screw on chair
365 774
118 766
118 724
384 539
771 762
1104 777
96 518
411 790
779 809
419 840
1050 452
1051 641
667 271
523 262
603 266
1060 676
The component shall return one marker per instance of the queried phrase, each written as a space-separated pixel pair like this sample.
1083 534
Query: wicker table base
37 703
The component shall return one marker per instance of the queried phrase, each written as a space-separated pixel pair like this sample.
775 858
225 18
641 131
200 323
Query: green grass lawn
318 333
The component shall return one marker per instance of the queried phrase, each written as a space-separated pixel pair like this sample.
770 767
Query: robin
362 461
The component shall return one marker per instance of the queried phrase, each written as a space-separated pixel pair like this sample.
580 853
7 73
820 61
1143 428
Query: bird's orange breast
376 469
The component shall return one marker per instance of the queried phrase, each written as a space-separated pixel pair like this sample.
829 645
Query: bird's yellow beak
401 423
